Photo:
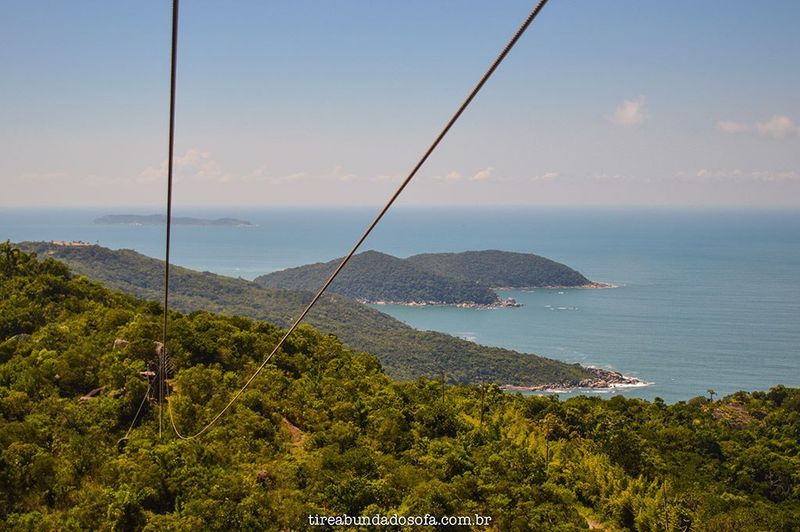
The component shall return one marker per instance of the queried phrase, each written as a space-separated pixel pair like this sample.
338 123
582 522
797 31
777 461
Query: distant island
467 279
160 219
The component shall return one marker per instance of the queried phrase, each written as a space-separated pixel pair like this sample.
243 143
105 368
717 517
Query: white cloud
340 174
777 127
737 175
288 178
547 176
729 126
608 177
151 174
192 157
192 165
776 176
711 174
483 175
263 175
197 165
43 176
450 177
455 176
630 112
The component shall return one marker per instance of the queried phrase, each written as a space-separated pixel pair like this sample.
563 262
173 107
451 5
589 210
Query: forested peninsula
324 431
468 279
405 353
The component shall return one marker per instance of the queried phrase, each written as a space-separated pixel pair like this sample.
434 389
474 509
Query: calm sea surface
704 299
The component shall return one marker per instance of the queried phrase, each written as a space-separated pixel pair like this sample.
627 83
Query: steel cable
171 149
141 405
358 243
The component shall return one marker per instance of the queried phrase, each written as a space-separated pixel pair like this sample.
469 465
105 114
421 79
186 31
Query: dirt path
593 525
297 436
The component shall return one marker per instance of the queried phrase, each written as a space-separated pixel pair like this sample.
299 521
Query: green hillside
375 276
404 352
323 432
500 269
448 278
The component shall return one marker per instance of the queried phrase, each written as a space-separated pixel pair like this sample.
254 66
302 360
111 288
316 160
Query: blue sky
601 103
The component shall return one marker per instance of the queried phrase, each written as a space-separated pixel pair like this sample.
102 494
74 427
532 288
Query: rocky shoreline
603 379
591 285
508 302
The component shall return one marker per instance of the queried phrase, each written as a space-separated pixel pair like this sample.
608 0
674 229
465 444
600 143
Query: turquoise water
703 299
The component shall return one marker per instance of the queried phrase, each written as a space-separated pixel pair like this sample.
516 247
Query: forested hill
404 352
324 432
500 269
375 276
448 278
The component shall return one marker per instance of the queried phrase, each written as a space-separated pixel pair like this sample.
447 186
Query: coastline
604 379
594 285
508 302
501 303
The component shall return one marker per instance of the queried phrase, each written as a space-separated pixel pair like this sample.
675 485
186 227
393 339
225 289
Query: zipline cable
173 69
141 404
366 233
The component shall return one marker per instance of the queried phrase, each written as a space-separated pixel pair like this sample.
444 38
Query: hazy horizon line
160 208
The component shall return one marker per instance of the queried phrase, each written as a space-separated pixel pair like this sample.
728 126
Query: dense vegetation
324 431
375 276
449 278
404 352
500 269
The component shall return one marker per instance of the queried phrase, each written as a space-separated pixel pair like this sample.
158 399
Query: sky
680 103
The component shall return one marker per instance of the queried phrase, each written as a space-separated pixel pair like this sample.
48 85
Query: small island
467 280
160 219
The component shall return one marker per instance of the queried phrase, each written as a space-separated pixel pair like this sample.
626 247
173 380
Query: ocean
703 299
